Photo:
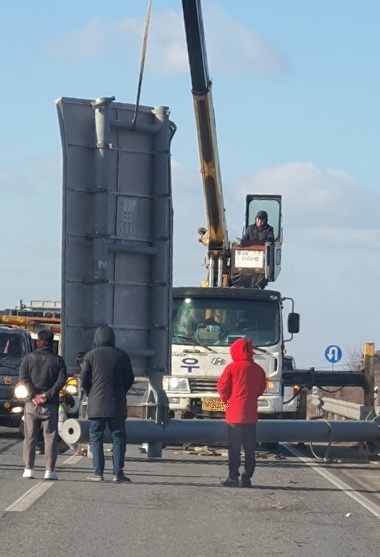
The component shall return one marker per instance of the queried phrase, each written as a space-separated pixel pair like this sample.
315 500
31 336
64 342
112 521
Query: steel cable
142 62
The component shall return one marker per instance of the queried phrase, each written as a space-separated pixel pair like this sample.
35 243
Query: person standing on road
106 377
240 385
44 374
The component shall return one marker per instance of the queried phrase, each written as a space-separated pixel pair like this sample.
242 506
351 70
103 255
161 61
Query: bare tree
354 359
352 362
355 362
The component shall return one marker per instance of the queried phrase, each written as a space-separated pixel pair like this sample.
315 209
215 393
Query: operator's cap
262 215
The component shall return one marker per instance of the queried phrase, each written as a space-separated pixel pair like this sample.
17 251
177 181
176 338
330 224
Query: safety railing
341 408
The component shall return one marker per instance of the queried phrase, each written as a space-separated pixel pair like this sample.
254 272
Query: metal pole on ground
215 431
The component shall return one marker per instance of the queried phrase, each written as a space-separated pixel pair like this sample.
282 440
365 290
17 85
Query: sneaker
28 473
121 478
230 482
94 478
40 450
50 475
245 482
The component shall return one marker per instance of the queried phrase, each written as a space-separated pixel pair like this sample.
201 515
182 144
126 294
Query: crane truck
231 302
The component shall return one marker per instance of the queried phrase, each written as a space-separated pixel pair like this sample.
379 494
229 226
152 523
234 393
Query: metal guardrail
342 408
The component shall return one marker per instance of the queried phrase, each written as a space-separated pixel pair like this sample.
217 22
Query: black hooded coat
258 236
106 377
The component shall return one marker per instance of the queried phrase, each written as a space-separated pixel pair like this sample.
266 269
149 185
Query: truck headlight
176 384
273 387
21 391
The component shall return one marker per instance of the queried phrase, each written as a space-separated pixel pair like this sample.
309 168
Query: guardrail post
365 413
369 380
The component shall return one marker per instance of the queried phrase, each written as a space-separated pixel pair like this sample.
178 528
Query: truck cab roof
230 293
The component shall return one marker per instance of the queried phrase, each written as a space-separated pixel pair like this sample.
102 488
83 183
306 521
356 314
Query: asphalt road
174 507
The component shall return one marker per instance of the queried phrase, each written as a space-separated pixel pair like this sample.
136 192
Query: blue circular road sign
333 354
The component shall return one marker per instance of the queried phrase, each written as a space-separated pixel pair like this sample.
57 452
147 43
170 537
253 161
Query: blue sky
296 94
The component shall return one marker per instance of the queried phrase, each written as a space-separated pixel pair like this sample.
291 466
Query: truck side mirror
294 323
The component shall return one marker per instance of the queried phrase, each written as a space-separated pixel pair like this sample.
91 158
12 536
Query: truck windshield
12 349
220 322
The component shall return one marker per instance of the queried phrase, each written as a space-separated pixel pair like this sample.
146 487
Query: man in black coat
106 377
259 232
43 374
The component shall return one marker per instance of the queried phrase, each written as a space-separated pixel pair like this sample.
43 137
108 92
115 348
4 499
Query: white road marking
28 498
73 459
348 490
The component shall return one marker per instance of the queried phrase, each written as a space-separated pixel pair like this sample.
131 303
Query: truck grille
203 385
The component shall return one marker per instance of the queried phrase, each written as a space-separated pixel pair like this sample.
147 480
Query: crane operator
258 233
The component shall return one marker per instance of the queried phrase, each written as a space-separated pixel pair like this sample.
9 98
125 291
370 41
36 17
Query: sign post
333 354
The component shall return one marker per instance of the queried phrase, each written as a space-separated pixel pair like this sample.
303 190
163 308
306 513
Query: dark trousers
239 435
117 430
34 416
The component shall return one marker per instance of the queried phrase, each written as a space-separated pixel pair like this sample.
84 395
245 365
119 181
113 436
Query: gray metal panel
116 196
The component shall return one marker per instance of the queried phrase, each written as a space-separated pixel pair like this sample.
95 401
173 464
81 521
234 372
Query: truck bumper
267 405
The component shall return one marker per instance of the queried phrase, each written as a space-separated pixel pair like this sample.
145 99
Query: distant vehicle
14 345
18 332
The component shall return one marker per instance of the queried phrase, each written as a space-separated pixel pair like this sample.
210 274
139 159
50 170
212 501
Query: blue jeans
117 430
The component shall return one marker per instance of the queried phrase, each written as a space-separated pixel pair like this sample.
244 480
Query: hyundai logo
218 361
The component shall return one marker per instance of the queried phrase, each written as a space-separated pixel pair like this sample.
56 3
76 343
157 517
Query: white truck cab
205 322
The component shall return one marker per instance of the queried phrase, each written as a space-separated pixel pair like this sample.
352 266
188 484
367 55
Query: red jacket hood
242 349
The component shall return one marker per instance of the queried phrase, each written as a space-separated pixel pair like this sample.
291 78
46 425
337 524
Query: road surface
175 508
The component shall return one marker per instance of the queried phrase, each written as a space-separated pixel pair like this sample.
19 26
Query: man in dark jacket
107 376
240 385
43 374
258 233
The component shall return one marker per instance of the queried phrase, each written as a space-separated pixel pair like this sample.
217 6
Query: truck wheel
186 416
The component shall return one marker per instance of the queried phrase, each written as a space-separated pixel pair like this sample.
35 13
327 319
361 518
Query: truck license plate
213 405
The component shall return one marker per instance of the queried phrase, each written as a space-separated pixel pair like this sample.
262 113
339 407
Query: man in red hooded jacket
239 386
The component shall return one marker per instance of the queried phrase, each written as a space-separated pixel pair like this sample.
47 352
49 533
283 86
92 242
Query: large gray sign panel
117 229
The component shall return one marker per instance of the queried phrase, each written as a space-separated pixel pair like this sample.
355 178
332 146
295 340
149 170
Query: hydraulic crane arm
206 129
